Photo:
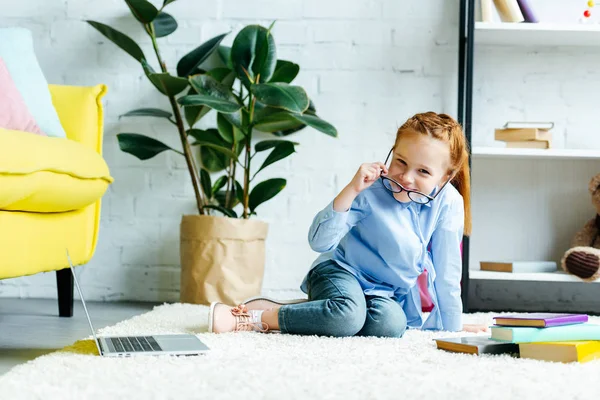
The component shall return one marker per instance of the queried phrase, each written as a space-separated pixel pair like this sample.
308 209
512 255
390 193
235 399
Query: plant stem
187 151
247 160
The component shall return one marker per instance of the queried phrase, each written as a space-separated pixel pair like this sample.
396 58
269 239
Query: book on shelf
540 320
522 134
519 266
529 144
476 345
527 11
565 352
564 333
509 10
528 124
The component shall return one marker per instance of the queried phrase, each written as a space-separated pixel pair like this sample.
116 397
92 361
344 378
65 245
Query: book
528 124
526 10
529 144
565 352
540 320
476 345
563 333
519 266
522 134
509 10
486 10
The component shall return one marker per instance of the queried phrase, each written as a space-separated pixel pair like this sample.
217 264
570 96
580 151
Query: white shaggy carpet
274 366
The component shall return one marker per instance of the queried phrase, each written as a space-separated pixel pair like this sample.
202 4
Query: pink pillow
14 114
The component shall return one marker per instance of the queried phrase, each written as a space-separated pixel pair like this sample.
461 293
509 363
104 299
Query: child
374 239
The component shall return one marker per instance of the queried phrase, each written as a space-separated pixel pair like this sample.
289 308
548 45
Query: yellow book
522 134
565 352
529 144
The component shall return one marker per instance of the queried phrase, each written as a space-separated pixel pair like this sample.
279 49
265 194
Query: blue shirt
384 244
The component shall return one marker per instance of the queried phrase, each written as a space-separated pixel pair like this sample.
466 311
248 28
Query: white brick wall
367 64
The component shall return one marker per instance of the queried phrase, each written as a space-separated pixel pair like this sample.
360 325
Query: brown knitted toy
583 258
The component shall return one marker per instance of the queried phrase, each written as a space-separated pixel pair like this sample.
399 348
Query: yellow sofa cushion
46 174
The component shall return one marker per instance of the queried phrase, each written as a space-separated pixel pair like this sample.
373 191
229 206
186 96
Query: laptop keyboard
135 344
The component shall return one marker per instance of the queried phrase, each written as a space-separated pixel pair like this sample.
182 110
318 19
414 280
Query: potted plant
222 249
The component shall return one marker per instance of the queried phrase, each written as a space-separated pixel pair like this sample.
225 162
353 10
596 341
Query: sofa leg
64 286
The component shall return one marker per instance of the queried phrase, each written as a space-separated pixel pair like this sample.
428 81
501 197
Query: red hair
445 128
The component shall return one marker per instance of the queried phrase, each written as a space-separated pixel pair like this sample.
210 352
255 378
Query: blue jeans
337 306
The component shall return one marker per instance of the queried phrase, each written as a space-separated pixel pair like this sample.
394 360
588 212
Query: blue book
563 333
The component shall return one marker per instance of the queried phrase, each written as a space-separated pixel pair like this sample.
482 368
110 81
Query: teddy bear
583 258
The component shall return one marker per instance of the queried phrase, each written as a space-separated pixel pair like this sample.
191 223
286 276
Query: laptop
128 346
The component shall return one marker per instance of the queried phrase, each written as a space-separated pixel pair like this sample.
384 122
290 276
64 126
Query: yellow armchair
51 190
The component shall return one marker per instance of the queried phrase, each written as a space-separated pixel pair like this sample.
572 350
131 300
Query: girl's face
419 162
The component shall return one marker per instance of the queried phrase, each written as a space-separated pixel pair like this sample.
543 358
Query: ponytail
462 183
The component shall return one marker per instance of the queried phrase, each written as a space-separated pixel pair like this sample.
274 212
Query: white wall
367 64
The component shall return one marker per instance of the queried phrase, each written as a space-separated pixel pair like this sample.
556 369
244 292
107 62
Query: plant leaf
285 71
167 2
225 55
141 146
269 144
211 93
315 122
282 95
228 132
264 191
227 211
219 184
142 10
148 112
254 52
281 151
212 159
120 39
205 182
188 63
164 25
205 138
167 84
223 75
193 114
278 121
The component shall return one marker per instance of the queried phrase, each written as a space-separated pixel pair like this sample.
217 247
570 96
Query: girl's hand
475 328
366 175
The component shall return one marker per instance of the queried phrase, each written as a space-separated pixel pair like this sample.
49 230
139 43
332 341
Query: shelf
558 276
536 34
563 154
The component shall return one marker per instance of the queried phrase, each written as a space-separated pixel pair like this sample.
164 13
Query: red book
540 320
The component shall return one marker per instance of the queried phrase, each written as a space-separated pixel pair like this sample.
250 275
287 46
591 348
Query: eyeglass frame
403 189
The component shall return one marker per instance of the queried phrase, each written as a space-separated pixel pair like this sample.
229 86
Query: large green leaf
254 53
235 197
120 39
269 144
164 25
278 121
315 122
204 138
282 95
225 55
285 71
223 75
226 211
211 93
265 191
148 112
188 63
205 182
193 114
141 146
281 151
228 132
142 10
168 84
167 2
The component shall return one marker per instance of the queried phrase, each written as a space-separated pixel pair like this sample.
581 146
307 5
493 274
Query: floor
30 328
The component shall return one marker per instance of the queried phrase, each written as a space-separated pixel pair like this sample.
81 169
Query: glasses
413 195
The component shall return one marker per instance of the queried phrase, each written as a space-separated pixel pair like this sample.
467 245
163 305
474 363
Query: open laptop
127 346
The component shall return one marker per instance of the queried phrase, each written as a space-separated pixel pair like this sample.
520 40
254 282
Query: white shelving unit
540 34
528 203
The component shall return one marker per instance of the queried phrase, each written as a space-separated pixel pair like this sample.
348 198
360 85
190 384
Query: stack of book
519 266
540 336
531 135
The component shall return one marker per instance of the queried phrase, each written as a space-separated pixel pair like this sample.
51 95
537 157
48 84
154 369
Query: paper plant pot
222 259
